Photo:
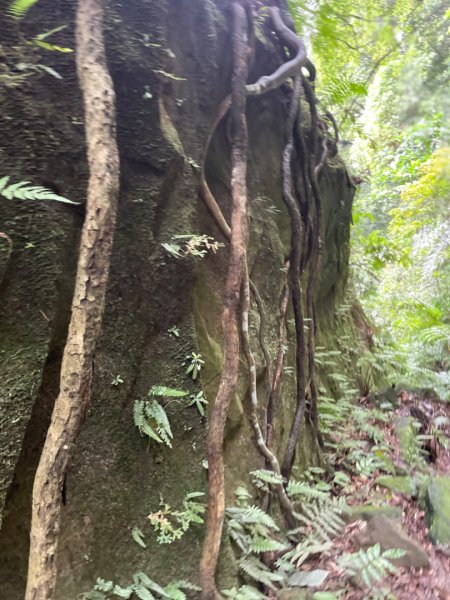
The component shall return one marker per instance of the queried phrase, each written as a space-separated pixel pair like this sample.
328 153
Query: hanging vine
301 196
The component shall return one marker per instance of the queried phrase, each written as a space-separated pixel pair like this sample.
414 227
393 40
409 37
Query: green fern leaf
122 592
143 579
258 571
303 489
142 592
102 585
253 515
166 392
267 476
260 544
23 191
174 592
18 8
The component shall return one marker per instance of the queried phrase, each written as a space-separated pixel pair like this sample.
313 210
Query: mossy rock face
437 502
116 477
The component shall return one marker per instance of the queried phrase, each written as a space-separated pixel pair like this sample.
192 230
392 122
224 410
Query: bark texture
88 301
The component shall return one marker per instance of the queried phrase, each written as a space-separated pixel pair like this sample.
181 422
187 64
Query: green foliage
18 8
142 588
322 517
371 565
174 331
199 401
23 191
245 592
171 525
195 245
259 572
194 364
40 40
151 420
166 392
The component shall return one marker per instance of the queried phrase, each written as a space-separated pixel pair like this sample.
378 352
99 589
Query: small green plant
196 245
138 536
194 364
199 401
171 525
193 163
174 331
371 565
117 381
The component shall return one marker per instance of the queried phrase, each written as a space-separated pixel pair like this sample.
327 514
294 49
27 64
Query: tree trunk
88 300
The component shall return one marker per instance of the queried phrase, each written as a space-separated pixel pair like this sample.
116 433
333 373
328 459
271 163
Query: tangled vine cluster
301 195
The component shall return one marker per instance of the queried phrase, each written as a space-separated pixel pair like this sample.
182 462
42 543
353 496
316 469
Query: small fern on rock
151 420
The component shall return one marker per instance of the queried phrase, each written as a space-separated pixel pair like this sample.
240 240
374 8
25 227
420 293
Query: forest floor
381 447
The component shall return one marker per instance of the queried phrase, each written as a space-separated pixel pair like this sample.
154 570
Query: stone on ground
437 501
386 532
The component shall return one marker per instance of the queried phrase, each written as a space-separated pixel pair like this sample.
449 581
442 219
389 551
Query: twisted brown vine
236 266
304 209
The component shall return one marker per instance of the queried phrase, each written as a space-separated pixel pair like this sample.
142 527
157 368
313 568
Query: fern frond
122 592
18 8
143 579
322 516
303 489
258 571
174 592
23 191
306 548
166 392
102 585
267 476
142 592
370 564
263 544
253 515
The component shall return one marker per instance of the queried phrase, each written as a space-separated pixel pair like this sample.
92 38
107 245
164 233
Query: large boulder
386 532
437 500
